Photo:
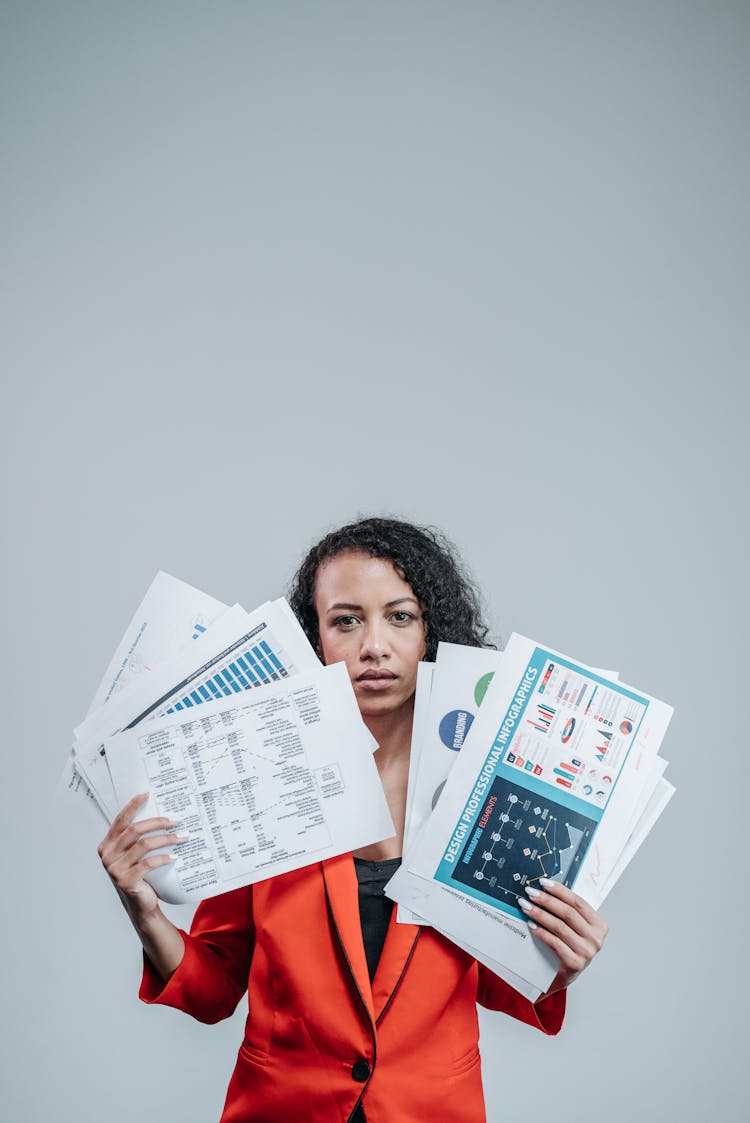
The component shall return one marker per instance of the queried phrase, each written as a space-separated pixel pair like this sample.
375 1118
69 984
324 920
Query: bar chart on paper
255 659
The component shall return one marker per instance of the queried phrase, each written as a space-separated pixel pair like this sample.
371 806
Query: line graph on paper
520 837
255 789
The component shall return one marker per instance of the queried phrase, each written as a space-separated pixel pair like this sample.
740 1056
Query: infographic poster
562 735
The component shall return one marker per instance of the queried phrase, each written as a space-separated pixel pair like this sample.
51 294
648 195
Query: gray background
267 266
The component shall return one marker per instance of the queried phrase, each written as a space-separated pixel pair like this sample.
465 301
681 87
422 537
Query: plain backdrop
267 266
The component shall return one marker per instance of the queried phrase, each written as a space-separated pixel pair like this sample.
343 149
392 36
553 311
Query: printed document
170 616
538 768
264 783
238 652
448 694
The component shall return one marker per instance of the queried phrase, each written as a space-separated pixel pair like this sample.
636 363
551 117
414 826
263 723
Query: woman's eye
402 617
345 621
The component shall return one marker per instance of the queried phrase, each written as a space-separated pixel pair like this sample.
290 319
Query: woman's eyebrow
358 607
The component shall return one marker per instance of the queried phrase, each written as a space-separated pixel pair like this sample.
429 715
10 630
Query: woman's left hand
566 923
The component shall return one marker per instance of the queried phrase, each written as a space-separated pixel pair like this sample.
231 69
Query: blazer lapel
343 903
400 941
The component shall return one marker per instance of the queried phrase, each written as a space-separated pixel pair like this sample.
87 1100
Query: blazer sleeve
212 976
495 994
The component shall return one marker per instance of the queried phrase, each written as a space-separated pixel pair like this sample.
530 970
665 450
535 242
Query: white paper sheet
659 799
460 679
413 817
543 755
225 660
614 832
449 693
170 616
447 700
73 791
268 782
523 986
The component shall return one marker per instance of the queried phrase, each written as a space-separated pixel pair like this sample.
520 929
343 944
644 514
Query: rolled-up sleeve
495 994
212 975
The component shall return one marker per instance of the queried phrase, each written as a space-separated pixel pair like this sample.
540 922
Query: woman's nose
374 642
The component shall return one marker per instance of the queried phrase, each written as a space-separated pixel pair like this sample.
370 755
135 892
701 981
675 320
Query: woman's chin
380 705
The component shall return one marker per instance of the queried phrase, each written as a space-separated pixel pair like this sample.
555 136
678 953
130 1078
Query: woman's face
370 619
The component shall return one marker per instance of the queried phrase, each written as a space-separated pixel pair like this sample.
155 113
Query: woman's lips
376 680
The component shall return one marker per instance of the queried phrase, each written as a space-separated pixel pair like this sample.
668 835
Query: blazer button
360 1071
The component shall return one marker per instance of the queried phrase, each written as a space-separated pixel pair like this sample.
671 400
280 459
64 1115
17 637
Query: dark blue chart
520 837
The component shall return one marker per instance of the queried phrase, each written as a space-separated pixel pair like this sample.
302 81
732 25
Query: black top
374 915
374 907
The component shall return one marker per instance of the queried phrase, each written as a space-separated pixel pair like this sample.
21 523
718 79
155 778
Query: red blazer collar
343 902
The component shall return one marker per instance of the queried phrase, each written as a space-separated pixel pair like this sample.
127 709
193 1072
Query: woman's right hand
127 856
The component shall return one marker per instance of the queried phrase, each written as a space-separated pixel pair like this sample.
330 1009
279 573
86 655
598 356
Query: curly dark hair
424 557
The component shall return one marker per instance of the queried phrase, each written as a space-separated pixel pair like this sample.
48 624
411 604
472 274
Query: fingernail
180 838
547 882
524 904
531 924
532 891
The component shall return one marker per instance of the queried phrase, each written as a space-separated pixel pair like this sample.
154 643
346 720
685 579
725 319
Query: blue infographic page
559 741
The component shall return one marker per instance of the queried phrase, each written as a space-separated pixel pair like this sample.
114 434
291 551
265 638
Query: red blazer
318 1036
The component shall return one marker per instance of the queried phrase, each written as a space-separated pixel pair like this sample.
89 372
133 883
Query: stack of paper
558 776
230 722
260 754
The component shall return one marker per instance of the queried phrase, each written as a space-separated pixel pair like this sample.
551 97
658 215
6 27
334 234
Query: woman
350 1013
